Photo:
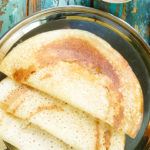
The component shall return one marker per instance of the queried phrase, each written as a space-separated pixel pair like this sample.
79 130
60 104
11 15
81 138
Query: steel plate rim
81 8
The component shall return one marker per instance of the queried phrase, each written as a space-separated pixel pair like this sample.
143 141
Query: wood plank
34 6
138 16
115 9
12 11
135 12
1 22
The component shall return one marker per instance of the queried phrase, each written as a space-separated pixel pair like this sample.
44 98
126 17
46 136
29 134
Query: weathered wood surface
136 12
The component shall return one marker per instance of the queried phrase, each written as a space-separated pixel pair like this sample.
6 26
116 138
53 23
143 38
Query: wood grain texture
12 11
135 12
138 16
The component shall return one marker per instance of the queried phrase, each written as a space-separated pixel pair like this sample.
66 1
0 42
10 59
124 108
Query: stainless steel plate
115 31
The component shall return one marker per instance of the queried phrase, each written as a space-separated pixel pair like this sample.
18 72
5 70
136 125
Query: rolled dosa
25 136
74 127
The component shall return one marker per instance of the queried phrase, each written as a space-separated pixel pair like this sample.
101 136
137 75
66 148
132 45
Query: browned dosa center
107 137
77 50
23 74
82 52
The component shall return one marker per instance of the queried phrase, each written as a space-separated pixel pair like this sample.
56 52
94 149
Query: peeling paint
1 13
147 32
117 10
134 10
15 5
12 9
136 28
124 11
107 6
1 22
4 3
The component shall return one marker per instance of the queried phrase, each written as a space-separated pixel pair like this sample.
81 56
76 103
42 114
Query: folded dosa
25 136
11 147
2 145
71 125
83 70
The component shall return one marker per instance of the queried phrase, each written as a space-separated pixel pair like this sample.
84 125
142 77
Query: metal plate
119 34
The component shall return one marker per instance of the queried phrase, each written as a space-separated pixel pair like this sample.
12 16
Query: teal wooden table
136 12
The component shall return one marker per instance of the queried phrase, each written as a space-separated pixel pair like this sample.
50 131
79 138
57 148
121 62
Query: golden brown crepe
71 125
83 70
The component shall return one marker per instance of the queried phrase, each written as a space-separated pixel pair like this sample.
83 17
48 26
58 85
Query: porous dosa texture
74 127
26 136
83 70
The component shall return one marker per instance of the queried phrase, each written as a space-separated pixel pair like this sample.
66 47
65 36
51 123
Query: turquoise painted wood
11 12
136 12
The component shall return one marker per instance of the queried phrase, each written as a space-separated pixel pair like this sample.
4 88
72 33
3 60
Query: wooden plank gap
100 3
27 7
124 11
117 10
106 6
1 22
147 31
36 5
91 3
